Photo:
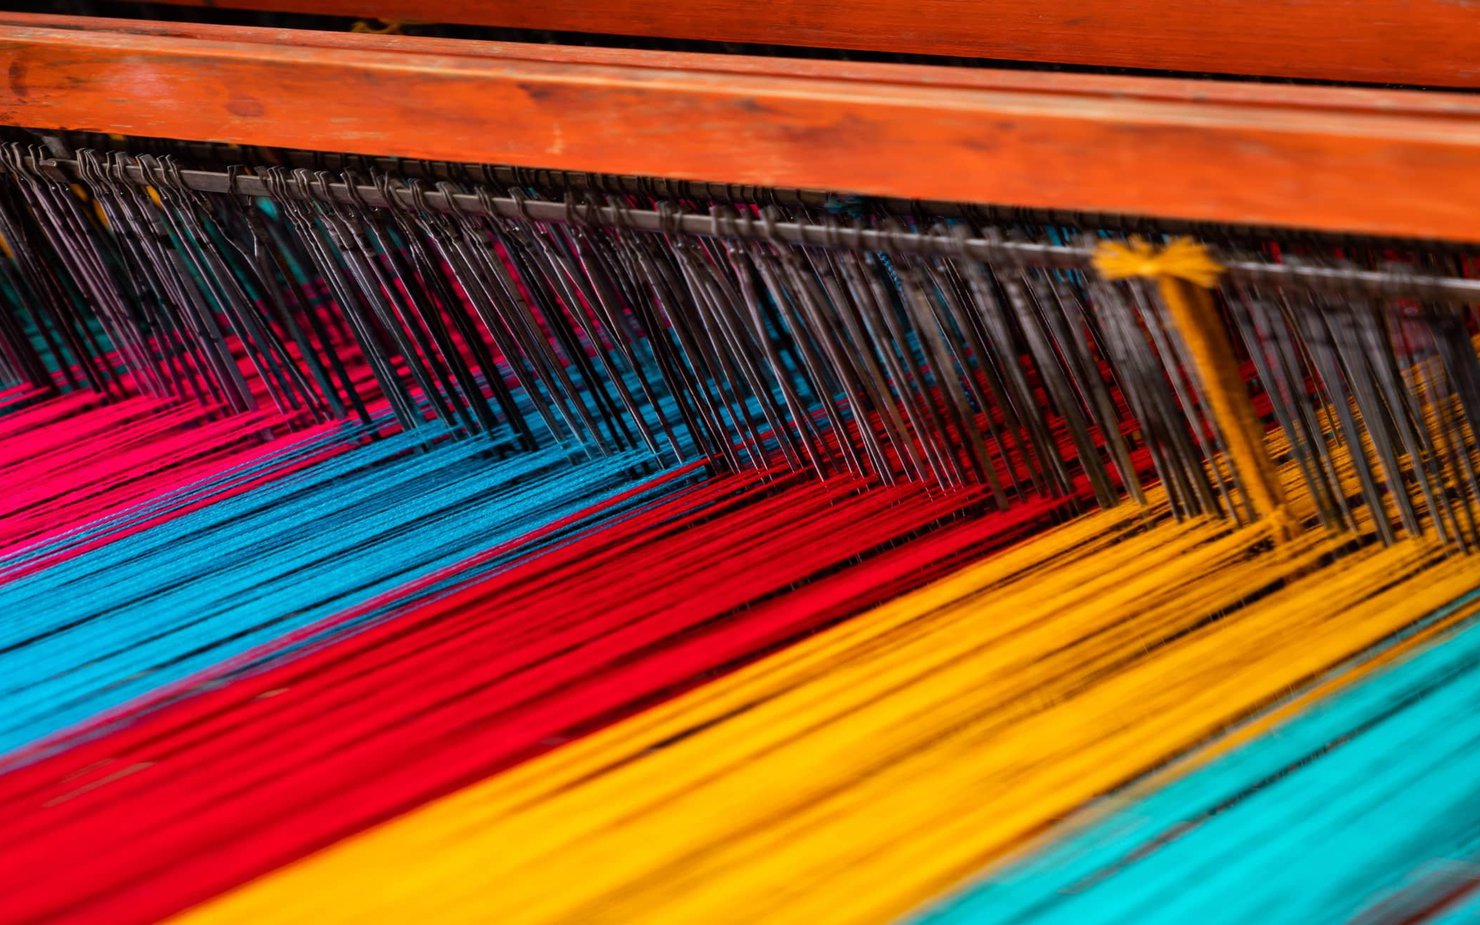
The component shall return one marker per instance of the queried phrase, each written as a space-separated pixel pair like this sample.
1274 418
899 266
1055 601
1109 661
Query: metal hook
521 202
171 167
112 171
34 157
385 186
233 180
321 188
300 180
486 202
352 189
275 181
450 193
88 167
163 181
148 169
418 190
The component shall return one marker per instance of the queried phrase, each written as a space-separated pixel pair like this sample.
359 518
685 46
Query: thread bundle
856 775
481 569
1053 656
92 632
466 686
1316 821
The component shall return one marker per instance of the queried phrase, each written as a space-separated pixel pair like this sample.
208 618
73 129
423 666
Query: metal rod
707 190
1370 282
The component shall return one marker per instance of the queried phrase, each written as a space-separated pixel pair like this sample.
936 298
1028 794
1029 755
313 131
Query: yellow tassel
1183 259
1184 272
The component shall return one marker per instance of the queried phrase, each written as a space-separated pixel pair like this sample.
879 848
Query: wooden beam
1371 161
1413 42
1186 90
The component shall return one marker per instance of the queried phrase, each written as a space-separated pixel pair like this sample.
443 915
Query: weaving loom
802 462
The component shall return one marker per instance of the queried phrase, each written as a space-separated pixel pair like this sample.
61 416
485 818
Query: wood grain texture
1415 42
1384 162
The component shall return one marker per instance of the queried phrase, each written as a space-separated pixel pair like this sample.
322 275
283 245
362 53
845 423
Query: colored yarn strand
1318 821
155 606
844 778
573 638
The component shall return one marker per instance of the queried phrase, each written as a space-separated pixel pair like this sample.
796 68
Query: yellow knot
1182 258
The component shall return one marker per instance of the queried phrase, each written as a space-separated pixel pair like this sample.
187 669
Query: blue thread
1286 828
90 633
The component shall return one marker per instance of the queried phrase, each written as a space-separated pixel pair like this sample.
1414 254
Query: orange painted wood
1384 162
1415 42
1280 95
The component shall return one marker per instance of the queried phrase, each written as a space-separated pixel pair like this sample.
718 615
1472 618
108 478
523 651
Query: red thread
204 794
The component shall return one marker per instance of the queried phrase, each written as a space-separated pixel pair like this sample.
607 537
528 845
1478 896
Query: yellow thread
1184 272
1182 258
5 248
860 773
867 774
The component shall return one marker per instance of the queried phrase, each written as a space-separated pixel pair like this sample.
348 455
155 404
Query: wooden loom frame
1341 159
1417 42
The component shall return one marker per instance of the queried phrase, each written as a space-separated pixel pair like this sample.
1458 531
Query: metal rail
720 223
